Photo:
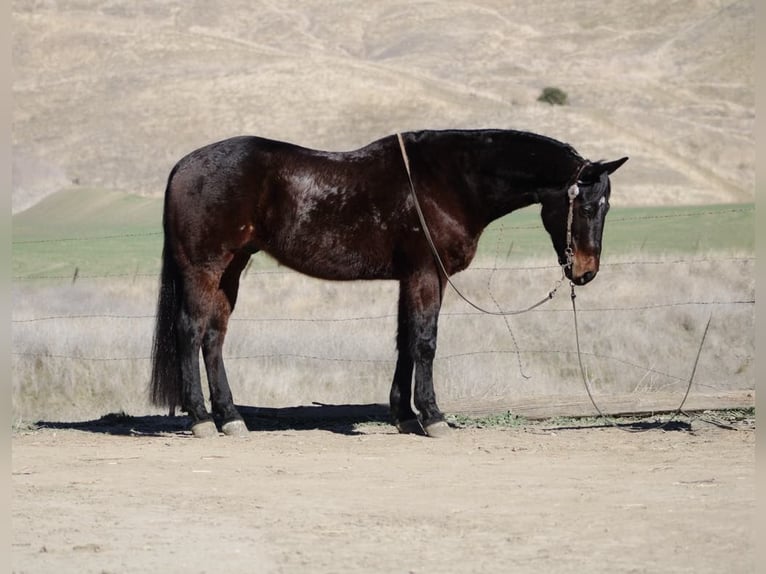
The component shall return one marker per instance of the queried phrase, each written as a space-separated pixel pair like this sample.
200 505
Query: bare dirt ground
362 498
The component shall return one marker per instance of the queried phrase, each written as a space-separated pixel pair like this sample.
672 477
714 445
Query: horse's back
327 214
226 165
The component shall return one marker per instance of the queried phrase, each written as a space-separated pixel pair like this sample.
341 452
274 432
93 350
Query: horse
353 215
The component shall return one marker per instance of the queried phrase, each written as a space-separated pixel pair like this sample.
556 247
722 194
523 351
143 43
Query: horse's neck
500 202
501 187
499 172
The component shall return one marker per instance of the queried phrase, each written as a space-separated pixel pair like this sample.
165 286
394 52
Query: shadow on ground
631 426
341 419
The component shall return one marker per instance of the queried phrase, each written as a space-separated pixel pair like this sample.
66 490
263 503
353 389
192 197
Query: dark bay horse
346 216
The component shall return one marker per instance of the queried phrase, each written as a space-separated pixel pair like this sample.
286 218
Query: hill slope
111 93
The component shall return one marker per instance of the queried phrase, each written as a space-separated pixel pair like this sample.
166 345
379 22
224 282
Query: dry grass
294 340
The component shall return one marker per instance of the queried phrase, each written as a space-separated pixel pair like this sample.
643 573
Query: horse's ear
611 167
593 171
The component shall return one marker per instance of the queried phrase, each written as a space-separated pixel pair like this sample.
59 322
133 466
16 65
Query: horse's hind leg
190 327
223 300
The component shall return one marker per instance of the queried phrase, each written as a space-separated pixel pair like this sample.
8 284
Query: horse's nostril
586 277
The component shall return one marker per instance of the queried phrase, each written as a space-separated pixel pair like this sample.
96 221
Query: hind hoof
236 428
411 426
438 429
204 429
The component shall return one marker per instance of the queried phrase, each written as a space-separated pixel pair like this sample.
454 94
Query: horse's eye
587 210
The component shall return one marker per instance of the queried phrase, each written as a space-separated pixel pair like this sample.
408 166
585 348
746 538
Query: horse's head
589 210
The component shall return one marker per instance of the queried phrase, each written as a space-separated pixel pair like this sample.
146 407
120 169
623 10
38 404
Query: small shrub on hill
553 96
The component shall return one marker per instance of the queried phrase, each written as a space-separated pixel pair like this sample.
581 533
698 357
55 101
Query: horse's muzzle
584 269
586 277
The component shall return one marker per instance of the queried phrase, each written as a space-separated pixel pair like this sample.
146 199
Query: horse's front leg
419 304
404 416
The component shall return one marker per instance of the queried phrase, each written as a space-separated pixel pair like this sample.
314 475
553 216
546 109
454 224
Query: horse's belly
334 256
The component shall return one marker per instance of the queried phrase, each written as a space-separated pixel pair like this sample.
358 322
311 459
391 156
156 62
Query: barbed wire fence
69 345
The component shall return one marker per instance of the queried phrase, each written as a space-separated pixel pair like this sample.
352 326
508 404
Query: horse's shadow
341 419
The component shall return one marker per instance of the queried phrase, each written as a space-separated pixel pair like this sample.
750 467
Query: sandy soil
361 498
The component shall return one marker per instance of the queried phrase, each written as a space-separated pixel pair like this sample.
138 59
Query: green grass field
99 233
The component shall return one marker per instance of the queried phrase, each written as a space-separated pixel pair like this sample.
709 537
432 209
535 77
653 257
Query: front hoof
236 428
411 426
204 429
439 429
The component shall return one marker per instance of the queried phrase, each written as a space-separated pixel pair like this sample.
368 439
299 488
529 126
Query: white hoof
205 429
235 428
438 430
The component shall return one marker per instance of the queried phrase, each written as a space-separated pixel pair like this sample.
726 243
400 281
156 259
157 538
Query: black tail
166 369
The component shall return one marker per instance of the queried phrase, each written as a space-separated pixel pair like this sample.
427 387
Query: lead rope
573 191
587 386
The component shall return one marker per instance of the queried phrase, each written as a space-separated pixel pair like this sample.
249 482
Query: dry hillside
110 93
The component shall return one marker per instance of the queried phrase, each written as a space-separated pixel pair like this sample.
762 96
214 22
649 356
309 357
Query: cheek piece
572 192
